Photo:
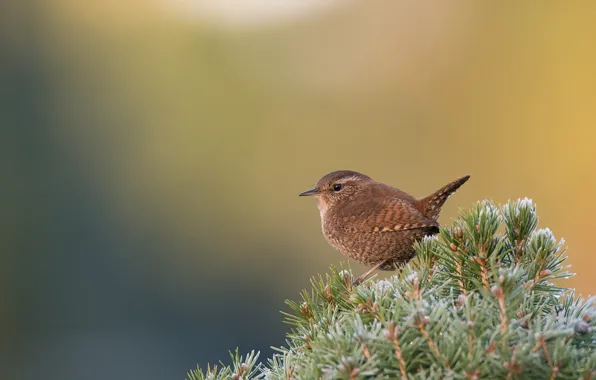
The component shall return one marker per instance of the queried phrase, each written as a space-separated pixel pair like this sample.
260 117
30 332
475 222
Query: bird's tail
431 205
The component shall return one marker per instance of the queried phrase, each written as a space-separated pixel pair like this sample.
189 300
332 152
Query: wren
373 223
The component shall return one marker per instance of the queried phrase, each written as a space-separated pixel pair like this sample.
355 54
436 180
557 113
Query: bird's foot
366 274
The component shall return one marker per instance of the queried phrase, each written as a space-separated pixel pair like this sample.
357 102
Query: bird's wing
390 215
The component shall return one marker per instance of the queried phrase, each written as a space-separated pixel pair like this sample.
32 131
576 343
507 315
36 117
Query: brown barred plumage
373 223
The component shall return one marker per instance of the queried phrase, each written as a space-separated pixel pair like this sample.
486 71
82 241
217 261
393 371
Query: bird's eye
337 187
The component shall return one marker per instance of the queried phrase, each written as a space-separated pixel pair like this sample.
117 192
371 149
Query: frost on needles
478 301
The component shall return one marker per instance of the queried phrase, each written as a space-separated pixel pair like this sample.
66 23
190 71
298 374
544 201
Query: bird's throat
323 207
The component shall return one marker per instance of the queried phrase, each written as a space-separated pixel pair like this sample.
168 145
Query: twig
391 333
498 292
431 343
422 320
512 366
542 344
460 282
365 349
400 359
484 271
457 254
519 246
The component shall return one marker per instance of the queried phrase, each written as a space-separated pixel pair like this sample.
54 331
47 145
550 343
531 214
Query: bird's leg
365 275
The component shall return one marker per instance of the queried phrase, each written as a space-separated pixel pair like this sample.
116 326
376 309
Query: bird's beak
308 193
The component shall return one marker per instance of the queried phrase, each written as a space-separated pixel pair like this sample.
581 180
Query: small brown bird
373 223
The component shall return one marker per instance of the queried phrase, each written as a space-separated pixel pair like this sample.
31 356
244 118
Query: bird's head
337 187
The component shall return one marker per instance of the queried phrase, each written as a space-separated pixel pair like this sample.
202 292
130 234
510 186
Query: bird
373 223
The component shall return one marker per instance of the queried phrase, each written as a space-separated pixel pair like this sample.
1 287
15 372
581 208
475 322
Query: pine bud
305 310
458 233
328 293
587 318
453 247
581 328
244 367
389 332
520 315
497 291
470 324
471 374
345 274
478 227
545 273
555 370
461 300
492 347
426 320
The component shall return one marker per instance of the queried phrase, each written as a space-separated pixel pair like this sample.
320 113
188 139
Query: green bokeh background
152 158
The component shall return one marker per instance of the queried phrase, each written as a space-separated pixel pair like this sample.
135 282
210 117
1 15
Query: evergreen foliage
477 302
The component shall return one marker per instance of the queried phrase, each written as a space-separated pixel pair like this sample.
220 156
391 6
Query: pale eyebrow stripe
352 178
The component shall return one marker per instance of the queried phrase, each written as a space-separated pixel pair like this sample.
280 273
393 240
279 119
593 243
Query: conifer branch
474 303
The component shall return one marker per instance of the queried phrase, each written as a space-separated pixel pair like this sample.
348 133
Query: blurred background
152 152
